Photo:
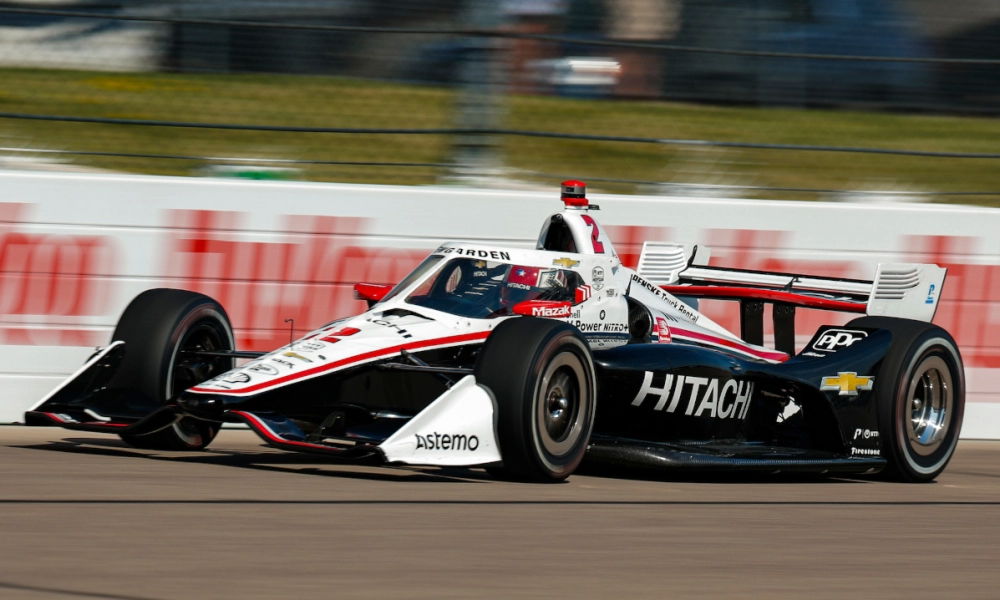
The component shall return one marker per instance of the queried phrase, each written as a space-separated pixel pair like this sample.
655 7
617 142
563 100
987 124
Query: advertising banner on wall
282 257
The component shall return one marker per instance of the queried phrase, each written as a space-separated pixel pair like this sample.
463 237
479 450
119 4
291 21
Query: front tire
160 328
542 375
920 392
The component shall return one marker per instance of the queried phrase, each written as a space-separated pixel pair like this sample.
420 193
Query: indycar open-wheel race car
529 361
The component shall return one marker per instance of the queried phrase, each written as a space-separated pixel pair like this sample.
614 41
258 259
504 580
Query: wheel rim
190 431
562 404
930 400
190 369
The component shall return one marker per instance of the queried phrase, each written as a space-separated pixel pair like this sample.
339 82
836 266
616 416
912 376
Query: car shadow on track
65 592
266 460
722 476
269 460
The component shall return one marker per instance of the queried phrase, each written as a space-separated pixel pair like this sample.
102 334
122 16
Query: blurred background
808 99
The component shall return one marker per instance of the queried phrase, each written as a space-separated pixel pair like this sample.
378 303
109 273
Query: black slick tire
920 396
541 374
160 327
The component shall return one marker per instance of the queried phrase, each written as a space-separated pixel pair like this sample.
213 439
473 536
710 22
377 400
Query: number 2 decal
594 233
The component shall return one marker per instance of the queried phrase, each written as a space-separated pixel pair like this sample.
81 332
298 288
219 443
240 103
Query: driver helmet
530 282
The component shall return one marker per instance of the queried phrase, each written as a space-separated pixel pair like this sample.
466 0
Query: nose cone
200 405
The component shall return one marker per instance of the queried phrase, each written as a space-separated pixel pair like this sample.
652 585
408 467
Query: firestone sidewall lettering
706 397
460 442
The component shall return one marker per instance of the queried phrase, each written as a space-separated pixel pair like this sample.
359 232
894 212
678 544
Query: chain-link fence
803 98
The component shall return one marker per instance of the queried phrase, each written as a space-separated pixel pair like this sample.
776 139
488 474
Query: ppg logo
832 340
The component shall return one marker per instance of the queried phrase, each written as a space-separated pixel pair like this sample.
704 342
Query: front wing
456 429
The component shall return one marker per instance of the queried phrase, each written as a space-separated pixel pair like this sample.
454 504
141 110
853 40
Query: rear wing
906 290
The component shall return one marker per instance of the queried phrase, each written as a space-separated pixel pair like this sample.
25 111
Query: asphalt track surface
85 516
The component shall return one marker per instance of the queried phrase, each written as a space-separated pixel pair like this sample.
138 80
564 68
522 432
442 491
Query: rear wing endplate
906 290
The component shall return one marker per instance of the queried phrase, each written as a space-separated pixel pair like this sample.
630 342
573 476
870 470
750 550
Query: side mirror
371 292
543 308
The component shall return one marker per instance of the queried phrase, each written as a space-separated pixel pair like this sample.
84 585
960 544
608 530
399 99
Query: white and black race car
528 362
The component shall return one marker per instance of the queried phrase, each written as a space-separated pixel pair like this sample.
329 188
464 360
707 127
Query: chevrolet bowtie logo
569 263
847 384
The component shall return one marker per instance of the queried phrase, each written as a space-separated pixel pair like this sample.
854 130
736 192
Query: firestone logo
866 452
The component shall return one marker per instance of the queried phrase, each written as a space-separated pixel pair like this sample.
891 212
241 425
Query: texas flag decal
523 277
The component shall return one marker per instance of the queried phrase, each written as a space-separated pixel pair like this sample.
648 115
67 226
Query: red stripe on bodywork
455 339
728 343
261 427
736 293
55 418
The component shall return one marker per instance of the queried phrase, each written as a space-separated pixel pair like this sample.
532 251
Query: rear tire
159 328
542 376
920 392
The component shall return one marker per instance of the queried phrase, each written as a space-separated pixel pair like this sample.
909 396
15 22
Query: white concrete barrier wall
74 249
